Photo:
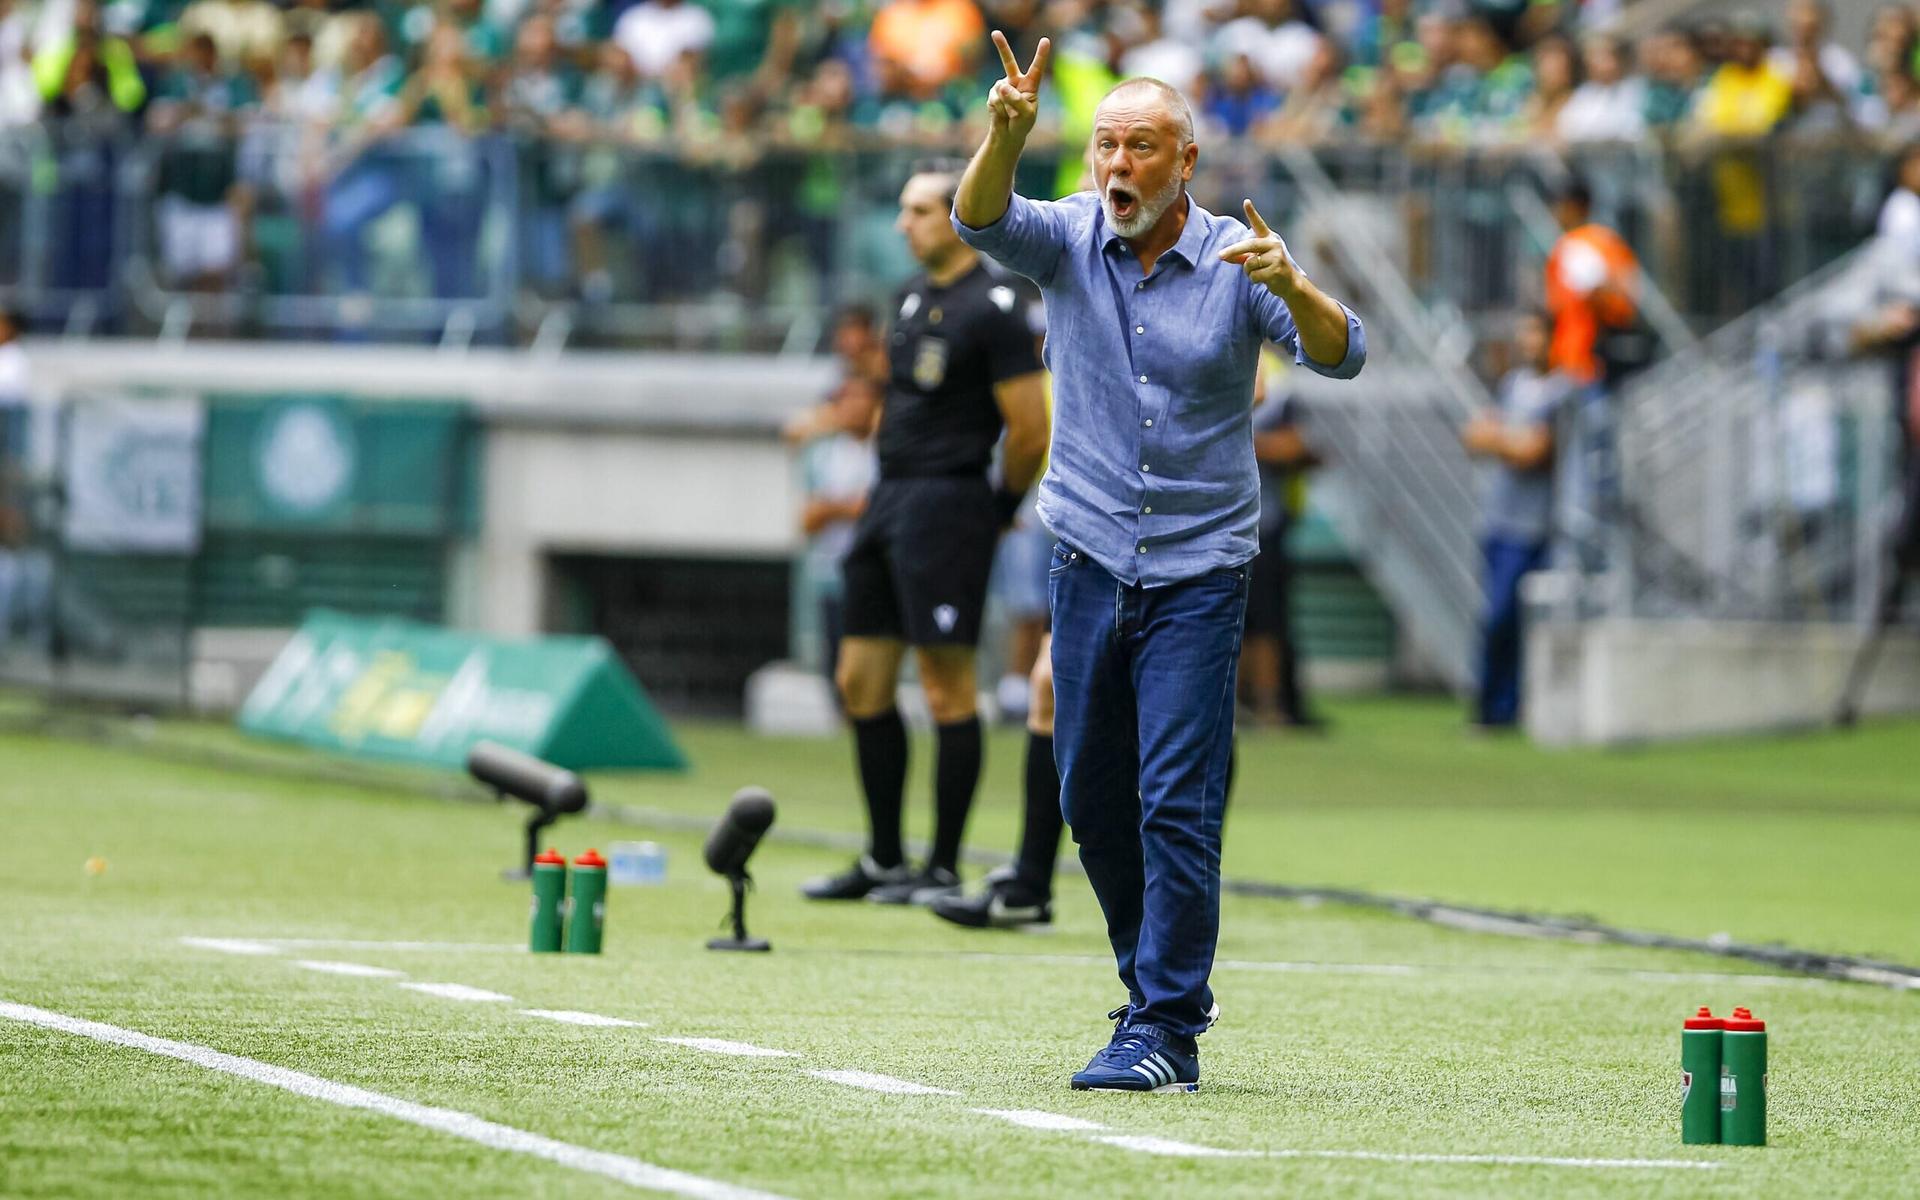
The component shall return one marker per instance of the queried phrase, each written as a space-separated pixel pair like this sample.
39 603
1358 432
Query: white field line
330 967
457 991
1165 1147
619 1167
880 1083
246 946
351 944
1409 969
720 1046
568 1017
1033 1118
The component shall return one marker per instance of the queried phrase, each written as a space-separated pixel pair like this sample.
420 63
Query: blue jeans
1507 562
1143 731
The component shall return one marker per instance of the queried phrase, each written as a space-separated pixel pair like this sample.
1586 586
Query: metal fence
430 235
1758 472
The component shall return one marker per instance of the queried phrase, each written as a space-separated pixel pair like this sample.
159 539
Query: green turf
1490 1045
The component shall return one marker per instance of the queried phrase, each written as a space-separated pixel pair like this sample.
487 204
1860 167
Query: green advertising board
402 690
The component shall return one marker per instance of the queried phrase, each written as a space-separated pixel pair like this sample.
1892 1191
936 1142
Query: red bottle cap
552 858
1705 1020
1743 1021
590 859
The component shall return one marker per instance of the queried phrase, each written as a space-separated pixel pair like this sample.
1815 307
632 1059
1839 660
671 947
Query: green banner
397 689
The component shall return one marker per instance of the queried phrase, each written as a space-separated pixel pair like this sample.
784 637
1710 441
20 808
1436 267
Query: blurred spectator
82 72
1155 54
1275 37
1746 99
247 32
1819 106
23 573
1807 23
1481 95
1592 286
302 92
937 41
1556 76
754 40
838 468
1269 653
19 97
534 101
1239 100
1676 71
200 207
1517 439
655 33
1383 26
1610 106
1315 112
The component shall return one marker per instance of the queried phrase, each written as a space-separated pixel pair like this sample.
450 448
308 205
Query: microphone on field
741 827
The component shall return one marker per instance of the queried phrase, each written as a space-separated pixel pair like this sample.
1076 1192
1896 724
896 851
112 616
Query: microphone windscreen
555 789
740 829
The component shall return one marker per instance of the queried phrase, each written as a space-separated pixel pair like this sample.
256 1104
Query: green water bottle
1743 1081
1700 1078
549 896
587 908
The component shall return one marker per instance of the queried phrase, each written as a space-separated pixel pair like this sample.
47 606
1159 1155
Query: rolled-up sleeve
1027 239
1277 325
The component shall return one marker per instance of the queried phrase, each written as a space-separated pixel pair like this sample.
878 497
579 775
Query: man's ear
1187 158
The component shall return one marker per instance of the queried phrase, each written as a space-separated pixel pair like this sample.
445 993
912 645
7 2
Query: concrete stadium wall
1614 682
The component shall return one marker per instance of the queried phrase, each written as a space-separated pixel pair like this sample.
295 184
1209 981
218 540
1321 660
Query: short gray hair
1168 95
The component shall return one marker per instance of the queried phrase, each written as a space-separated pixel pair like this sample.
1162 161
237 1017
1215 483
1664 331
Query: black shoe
1004 903
1306 722
855 882
924 887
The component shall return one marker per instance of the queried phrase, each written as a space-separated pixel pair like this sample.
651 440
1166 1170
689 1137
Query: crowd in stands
294 107
1472 71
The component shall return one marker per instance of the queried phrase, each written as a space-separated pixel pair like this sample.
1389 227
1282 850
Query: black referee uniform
917 571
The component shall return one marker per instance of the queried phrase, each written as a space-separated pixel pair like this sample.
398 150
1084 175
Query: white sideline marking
719 1046
232 945
881 1083
567 1017
1404 969
1033 1118
631 1171
352 944
1162 1146
455 991
328 967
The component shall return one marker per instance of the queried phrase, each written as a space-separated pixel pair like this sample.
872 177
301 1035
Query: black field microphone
733 840
524 777
729 846
551 790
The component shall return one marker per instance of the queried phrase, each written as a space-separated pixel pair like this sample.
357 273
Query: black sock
956 774
880 749
1040 839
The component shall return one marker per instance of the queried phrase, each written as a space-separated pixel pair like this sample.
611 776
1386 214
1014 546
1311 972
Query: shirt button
1139 328
1147 509
1149 422
1143 549
1138 286
1143 379
1145 467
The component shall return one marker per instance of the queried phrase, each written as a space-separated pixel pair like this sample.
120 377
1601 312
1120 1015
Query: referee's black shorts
1269 588
917 571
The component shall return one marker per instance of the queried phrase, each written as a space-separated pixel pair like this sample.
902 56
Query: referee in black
963 368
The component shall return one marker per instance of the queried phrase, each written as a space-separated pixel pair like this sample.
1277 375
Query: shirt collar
1192 237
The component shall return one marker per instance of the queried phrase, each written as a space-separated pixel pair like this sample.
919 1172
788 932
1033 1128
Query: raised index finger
1255 221
1007 62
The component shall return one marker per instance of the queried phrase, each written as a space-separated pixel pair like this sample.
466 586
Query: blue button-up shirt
1152 471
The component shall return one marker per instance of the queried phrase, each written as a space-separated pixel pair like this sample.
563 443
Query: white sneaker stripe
1160 1069
1149 1076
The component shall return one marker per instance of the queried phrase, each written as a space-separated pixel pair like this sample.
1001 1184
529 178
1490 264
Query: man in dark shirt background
963 368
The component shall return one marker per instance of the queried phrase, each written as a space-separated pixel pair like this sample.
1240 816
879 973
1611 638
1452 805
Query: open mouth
1122 201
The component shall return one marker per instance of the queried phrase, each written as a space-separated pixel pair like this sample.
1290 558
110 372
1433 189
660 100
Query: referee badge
930 363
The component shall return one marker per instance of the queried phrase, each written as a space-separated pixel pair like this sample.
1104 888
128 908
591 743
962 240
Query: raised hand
1014 102
1264 256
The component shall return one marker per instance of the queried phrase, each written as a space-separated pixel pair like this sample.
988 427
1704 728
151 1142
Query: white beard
1147 210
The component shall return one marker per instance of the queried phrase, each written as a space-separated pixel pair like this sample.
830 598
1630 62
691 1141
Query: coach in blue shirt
1156 310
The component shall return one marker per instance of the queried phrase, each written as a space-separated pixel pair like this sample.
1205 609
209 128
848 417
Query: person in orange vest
1592 283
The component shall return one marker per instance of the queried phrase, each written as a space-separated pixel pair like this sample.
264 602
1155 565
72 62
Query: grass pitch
1345 1031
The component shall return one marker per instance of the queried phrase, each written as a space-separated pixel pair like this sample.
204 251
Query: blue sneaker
1141 1059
